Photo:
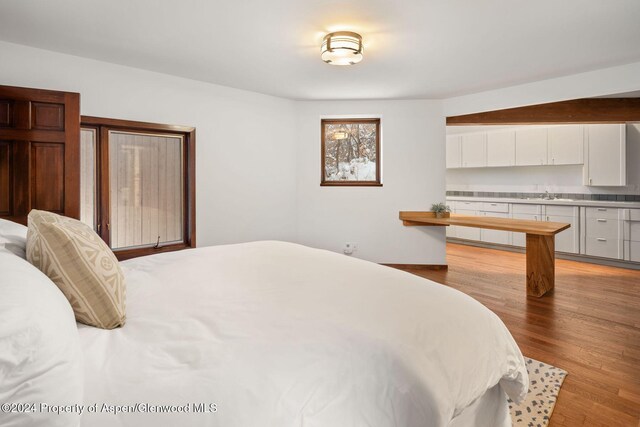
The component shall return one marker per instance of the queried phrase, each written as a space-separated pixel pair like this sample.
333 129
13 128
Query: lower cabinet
568 240
632 235
632 251
603 232
495 236
529 212
467 233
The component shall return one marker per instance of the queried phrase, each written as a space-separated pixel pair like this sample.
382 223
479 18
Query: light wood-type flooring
589 325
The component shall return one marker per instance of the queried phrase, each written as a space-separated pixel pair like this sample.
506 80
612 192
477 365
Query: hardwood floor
589 325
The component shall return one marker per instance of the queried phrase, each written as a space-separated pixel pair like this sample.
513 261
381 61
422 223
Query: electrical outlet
349 248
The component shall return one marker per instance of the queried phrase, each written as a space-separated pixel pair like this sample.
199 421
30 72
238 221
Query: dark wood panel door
5 178
39 152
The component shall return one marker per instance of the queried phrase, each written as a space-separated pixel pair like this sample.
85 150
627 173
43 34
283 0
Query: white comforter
278 334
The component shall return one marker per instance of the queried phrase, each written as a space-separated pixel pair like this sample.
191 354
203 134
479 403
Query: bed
278 334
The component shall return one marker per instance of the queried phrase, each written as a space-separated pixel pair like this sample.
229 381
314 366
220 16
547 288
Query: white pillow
40 354
13 236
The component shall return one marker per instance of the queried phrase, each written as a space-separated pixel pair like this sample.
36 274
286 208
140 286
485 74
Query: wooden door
39 152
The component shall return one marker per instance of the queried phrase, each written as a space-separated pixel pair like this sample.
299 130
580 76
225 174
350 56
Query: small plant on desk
441 210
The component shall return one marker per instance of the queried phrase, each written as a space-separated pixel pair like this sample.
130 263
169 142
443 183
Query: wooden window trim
102 127
323 181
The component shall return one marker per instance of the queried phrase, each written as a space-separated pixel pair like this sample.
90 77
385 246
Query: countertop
563 202
542 228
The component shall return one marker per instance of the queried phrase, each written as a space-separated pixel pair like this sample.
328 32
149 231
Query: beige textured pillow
85 269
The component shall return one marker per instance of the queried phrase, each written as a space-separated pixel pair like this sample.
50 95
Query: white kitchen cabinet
501 148
497 210
603 232
468 233
605 155
495 236
531 146
468 208
632 235
565 241
632 251
529 212
568 240
597 231
454 156
474 150
450 231
566 145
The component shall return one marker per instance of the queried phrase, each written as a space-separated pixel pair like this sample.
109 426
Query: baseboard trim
418 266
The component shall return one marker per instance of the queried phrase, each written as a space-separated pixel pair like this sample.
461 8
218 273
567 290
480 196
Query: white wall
245 142
413 173
251 148
606 81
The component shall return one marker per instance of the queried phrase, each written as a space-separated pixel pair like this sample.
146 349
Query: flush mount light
342 48
340 134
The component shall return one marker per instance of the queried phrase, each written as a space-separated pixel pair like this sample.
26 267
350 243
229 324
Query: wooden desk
540 241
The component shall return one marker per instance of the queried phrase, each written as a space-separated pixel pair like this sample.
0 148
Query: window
350 152
138 185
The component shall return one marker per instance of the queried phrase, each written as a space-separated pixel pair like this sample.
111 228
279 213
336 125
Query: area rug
544 385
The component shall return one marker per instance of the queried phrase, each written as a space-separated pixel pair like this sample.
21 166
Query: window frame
326 183
103 126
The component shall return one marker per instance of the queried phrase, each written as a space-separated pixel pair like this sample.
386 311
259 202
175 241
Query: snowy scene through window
350 150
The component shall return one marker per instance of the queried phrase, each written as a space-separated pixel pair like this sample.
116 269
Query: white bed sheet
278 334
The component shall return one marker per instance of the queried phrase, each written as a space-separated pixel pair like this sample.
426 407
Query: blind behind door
146 189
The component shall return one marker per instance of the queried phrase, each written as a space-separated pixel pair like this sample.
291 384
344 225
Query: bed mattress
279 334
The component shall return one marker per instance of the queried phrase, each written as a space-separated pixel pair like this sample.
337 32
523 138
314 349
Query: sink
549 200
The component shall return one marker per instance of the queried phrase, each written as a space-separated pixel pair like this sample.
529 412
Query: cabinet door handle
535 217
602 209
590 181
601 220
600 239
494 204
547 218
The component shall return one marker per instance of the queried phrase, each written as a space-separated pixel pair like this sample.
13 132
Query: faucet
548 196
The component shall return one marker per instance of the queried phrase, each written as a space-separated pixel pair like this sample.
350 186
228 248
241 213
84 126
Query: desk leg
541 264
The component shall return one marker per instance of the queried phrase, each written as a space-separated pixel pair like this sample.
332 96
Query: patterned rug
544 385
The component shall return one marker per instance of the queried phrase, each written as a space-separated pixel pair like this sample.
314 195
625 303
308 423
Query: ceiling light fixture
342 48
340 134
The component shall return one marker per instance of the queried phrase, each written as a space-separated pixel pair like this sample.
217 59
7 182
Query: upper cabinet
605 155
531 146
566 145
501 148
474 150
454 156
600 147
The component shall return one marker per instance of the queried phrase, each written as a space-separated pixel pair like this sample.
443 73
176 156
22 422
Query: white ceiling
413 48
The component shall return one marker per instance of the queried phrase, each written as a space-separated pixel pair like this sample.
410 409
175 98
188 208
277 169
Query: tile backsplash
572 196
